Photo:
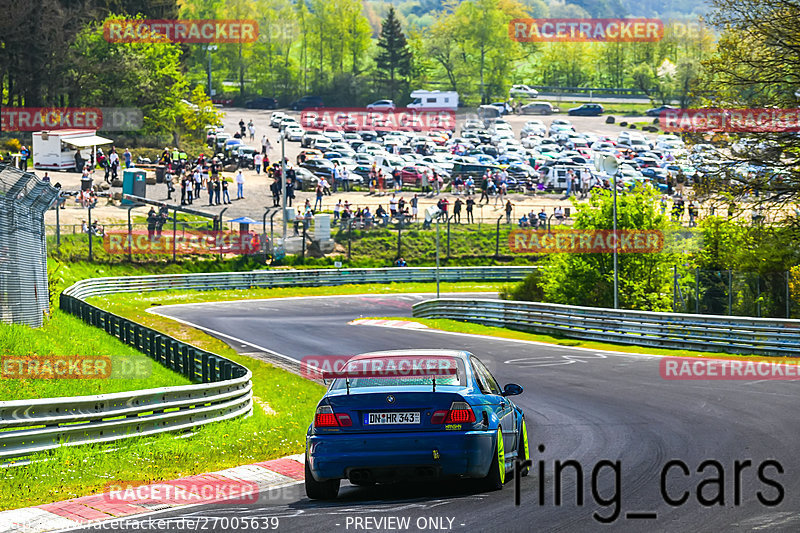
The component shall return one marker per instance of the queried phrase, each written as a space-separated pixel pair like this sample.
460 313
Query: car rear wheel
496 477
523 451
320 490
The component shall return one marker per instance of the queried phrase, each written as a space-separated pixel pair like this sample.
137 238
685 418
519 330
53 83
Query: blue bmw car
414 414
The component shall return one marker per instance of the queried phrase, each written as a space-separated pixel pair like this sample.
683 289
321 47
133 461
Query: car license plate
377 419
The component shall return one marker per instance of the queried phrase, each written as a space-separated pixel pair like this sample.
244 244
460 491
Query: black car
306 102
586 110
319 167
656 111
262 102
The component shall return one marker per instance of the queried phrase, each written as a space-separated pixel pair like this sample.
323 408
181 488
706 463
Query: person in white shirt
337 209
258 160
239 185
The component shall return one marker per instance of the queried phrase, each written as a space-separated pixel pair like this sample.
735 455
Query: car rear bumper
397 455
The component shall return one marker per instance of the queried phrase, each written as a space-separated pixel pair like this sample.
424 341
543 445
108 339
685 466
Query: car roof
459 354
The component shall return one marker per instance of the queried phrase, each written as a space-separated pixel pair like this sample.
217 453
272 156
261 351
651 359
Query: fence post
303 246
89 230
349 236
674 289
758 295
788 296
697 290
497 238
730 292
399 239
174 231
58 223
448 235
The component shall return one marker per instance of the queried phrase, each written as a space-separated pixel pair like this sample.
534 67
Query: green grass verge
478 329
66 335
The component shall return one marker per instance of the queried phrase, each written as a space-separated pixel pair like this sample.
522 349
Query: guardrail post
204 362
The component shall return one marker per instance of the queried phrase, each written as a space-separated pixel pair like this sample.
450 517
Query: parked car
319 167
656 111
262 102
306 102
586 110
381 105
523 91
538 108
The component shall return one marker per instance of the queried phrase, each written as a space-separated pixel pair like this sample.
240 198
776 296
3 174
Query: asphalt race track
595 408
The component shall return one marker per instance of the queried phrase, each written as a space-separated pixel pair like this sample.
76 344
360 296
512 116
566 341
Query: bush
13 145
529 290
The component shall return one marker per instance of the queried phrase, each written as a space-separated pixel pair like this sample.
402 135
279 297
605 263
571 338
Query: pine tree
394 55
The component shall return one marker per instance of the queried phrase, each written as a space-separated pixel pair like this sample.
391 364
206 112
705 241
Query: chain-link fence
24 297
727 292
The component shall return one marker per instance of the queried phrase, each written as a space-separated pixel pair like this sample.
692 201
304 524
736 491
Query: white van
387 163
434 100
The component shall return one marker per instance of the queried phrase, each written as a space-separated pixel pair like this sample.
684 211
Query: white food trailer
55 150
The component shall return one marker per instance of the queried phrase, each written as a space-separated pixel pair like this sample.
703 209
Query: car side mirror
512 389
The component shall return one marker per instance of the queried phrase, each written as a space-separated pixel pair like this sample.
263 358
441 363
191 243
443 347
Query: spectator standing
509 210
239 185
320 193
414 207
258 160
251 129
457 210
470 205
113 161
226 197
337 209
127 156
23 159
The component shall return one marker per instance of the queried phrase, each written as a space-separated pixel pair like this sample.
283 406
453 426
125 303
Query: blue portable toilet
133 182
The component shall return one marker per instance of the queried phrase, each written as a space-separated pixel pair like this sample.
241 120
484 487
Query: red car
411 175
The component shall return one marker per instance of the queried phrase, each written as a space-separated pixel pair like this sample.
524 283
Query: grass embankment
66 335
470 245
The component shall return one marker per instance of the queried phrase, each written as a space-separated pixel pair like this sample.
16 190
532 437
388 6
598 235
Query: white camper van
55 150
434 100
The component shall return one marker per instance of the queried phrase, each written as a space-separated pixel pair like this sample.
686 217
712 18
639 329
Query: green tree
645 279
394 56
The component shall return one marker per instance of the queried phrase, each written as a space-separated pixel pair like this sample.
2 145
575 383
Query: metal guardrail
663 330
225 391
291 278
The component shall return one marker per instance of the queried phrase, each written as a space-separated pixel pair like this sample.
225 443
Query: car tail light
459 413
344 419
325 417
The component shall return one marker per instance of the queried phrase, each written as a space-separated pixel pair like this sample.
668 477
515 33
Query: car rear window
403 371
